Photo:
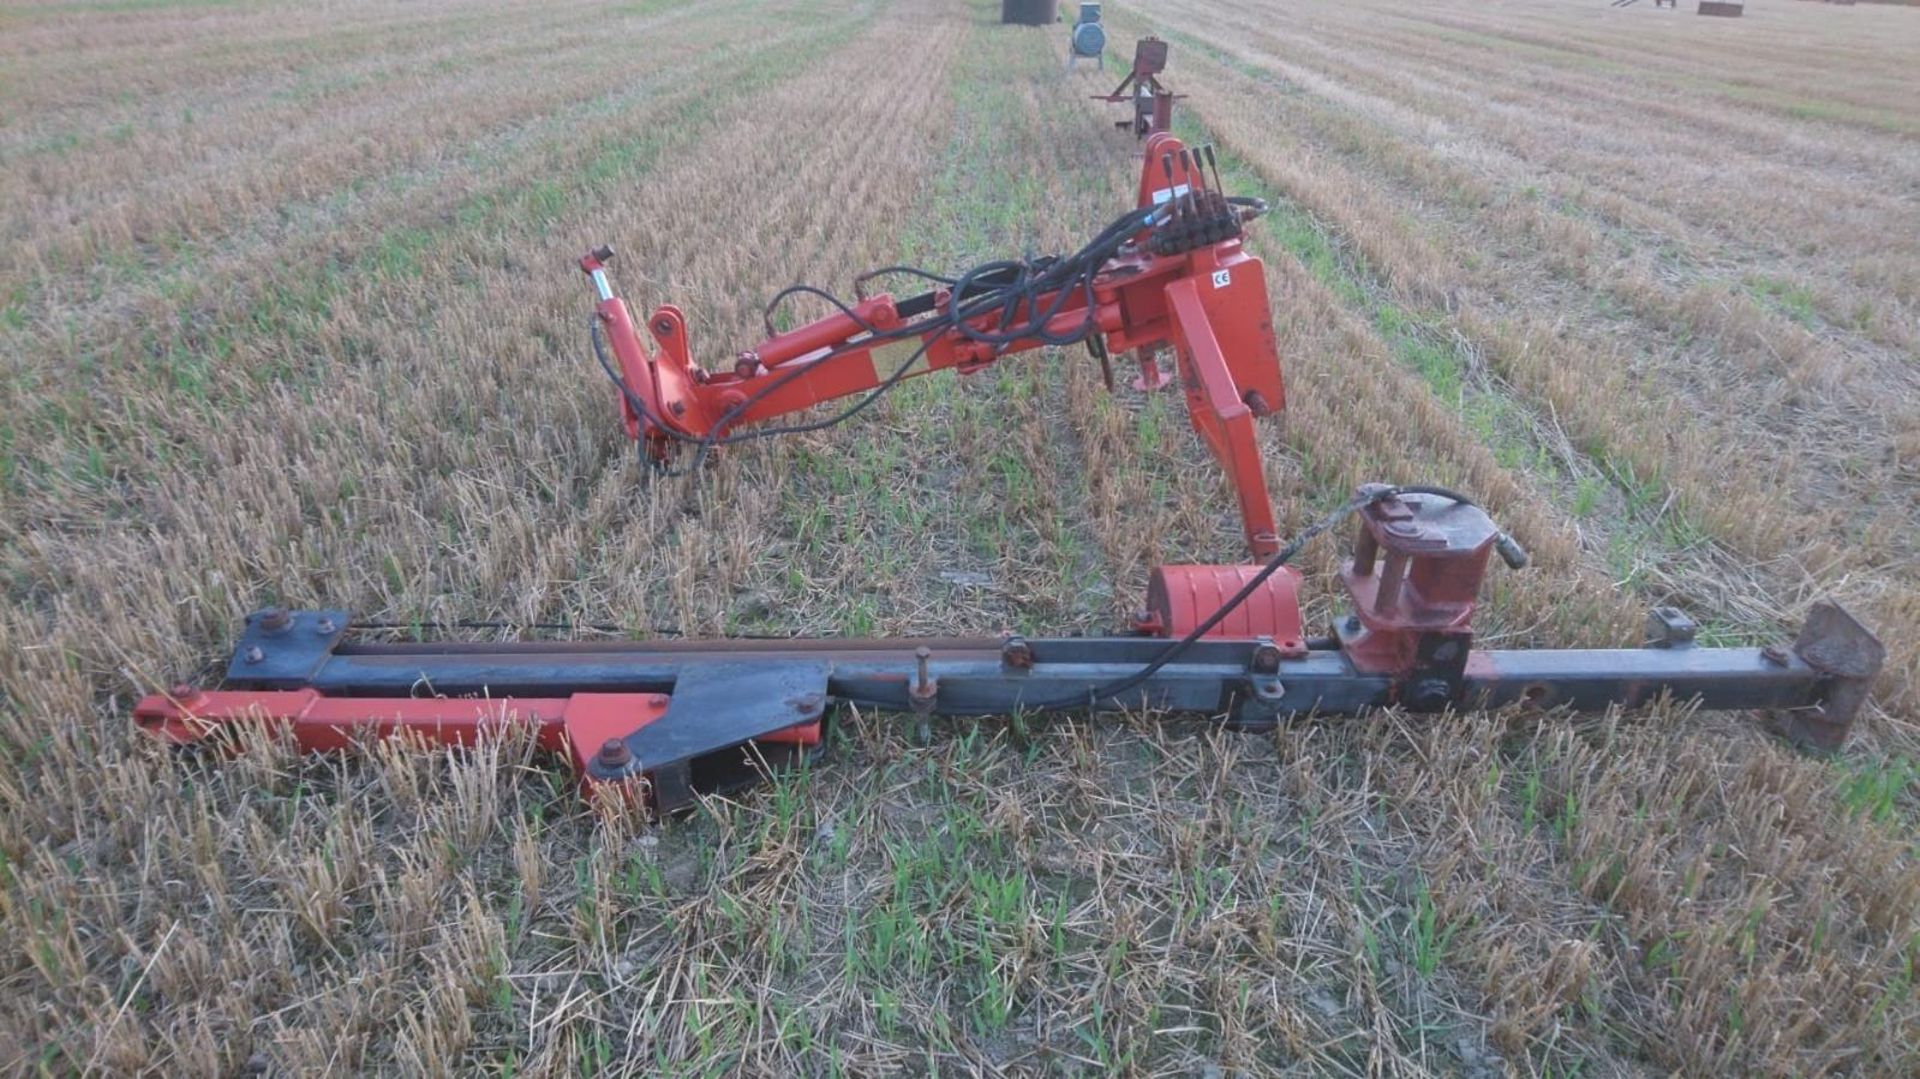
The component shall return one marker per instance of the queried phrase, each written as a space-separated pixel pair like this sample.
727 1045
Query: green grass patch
1794 301
1801 108
1879 789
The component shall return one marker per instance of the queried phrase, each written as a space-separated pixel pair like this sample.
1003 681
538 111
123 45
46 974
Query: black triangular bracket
715 710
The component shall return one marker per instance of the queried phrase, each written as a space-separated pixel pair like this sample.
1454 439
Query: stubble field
289 314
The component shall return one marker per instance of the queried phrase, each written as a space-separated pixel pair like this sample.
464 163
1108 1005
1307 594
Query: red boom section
1205 300
585 727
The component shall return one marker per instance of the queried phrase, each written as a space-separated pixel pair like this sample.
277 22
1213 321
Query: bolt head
1266 657
613 755
275 619
1017 653
255 654
325 626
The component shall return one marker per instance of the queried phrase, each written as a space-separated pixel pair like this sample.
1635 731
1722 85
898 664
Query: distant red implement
1152 103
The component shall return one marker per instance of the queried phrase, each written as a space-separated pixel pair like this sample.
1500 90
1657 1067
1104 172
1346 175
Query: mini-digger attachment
671 719
1152 103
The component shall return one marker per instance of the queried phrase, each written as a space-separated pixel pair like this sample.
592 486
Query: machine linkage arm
1179 279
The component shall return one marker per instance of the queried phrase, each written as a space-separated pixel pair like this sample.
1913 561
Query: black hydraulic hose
1024 283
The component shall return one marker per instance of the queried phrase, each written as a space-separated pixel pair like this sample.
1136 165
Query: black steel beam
975 676
723 695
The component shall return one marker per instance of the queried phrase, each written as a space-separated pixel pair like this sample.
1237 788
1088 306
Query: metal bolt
678 408
1015 652
1266 656
657 700
275 619
925 689
184 694
255 654
1775 655
808 703
614 755
324 626
663 327
1353 623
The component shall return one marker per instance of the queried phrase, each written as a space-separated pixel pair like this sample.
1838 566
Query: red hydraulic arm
1182 280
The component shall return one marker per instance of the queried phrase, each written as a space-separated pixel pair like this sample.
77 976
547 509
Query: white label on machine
1222 278
1166 194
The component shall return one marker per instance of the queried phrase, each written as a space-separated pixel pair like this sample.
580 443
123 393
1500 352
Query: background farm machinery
1152 103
